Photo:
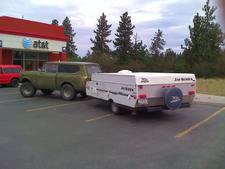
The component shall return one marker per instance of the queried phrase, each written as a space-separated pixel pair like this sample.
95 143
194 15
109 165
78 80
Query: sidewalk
209 99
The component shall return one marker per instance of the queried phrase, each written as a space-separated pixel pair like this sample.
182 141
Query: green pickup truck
68 77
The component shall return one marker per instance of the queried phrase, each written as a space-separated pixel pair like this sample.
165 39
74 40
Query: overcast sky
171 16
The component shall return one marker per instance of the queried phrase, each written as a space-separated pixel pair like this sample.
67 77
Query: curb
210 99
209 103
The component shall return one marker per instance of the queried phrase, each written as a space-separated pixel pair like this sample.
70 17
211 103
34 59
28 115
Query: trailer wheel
115 108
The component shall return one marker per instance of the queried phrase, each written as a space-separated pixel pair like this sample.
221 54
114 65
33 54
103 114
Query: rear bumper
155 104
159 108
160 101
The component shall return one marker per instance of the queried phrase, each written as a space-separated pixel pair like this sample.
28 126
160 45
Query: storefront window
30 60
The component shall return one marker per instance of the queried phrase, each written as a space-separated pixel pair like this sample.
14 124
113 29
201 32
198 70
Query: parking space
47 132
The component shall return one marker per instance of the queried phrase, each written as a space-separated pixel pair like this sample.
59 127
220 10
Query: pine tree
206 37
69 31
88 54
122 41
101 36
55 22
139 49
169 60
157 44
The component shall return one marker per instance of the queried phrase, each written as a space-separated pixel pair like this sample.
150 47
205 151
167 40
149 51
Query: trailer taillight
191 93
142 96
193 85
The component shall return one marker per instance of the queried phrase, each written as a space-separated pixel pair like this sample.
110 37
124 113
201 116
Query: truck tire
115 108
68 92
173 98
47 91
15 82
27 89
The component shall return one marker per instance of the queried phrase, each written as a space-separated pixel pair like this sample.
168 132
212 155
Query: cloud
172 16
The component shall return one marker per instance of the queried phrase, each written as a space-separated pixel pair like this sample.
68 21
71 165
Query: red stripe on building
22 27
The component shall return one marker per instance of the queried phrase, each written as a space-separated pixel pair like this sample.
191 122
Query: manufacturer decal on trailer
184 79
144 80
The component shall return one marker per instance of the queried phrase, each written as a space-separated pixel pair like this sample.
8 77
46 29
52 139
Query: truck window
66 68
16 70
7 70
51 68
1 72
93 69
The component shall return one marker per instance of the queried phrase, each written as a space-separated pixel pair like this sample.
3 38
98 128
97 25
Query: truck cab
10 74
68 77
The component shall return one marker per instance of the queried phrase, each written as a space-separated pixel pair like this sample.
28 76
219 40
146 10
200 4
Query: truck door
47 76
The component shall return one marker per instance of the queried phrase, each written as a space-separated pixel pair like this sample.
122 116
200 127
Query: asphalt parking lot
45 132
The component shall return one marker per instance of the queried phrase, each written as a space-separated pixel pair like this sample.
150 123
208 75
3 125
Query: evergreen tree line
202 53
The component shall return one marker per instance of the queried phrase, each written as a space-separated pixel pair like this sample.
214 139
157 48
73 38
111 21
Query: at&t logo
27 43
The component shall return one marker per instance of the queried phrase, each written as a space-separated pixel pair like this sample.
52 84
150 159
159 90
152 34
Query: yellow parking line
98 118
197 125
48 107
14 100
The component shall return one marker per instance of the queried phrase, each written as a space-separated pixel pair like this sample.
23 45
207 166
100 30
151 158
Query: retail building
30 43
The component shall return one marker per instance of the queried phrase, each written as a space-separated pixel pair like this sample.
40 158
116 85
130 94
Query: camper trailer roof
144 78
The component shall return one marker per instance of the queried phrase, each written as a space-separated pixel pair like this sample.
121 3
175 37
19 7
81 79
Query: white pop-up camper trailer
143 91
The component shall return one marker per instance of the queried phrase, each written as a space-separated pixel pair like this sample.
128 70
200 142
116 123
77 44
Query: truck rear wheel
68 92
115 108
27 89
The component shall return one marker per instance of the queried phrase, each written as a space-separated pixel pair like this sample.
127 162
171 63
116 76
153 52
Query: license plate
142 101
